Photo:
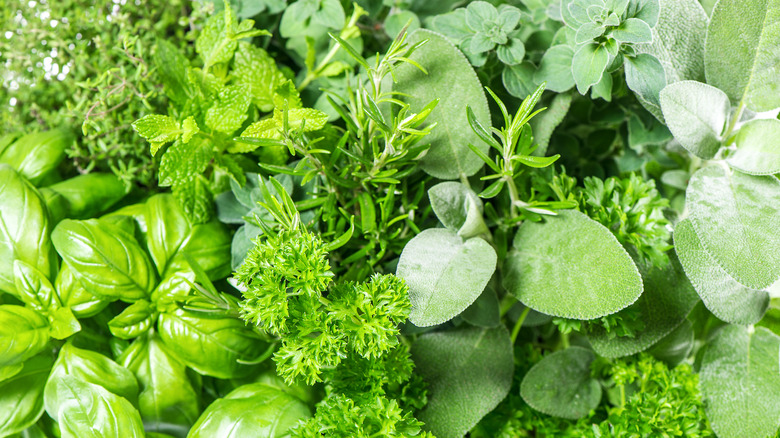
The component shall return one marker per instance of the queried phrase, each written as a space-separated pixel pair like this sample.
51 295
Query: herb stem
519 324
733 123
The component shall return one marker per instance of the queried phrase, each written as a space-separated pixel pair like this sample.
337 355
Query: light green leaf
24 229
230 111
544 123
396 21
645 10
645 76
172 66
741 56
158 129
189 127
23 334
37 154
63 323
453 25
485 311
210 346
571 266
255 68
85 196
106 260
34 288
308 118
445 274
736 218
183 161
588 32
468 373
740 380
696 114
255 409
89 411
519 79
556 69
667 300
134 321
458 208
479 13
588 65
212 44
21 396
634 31
73 295
561 384
167 395
721 294
758 152
450 79
512 52
88 367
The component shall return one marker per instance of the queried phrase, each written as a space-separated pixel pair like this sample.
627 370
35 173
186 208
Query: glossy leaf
696 114
37 154
757 150
445 274
468 372
21 396
723 296
736 218
23 334
450 79
740 380
134 321
571 266
561 384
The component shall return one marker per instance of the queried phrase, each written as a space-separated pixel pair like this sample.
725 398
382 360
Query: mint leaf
158 129
254 67
230 111
184 161
213 44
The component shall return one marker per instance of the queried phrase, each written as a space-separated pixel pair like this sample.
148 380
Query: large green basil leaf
34 288
170 234
571 266
73 295
134 321
24 229
35 155
721 294
741 56
84 196
106 260
167 397
89 411
21 396
89 367
210 346
468 372
736 217
23 334
256 409
740 380
561 384
452 81
445 274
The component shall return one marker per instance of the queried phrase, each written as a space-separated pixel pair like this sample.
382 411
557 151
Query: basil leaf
106 260
445 274
73 295
21 396
23 334
36 155
134 321
255 409
561 384
571 266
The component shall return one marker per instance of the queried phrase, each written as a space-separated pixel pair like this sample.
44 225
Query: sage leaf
445 274
544 123
561 384
645 76
757 148
721 294
450 79
736 218
468 372
740 380
571 266
484 311
741 56
696 114
458 208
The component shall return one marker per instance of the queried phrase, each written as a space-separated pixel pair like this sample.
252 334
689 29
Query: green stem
519 324
733 123
565 340
513 195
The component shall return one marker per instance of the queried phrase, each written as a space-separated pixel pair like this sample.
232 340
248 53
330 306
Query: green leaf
458 208
537 162
88 367
63 323
134 321
723 296
21 396
171 234
24 229
230 111
210 346
571 266
468 372
519 79
87 195
157 129
696 114
645 76
256 409
183 161
167 396
450 79
588 65
395 22
37 154
189 128
308 118
485 311
741 56
445 274
675 347
757 152
34 288
213 45
634 31
195 198
556 69
478 13
588 32
561 384
255 68
107 261
511 53
667 300
74 297
89 411
645 10
740 380
172 66
736 217
544 123
23 334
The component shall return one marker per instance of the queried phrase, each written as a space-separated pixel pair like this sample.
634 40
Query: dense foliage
323 218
